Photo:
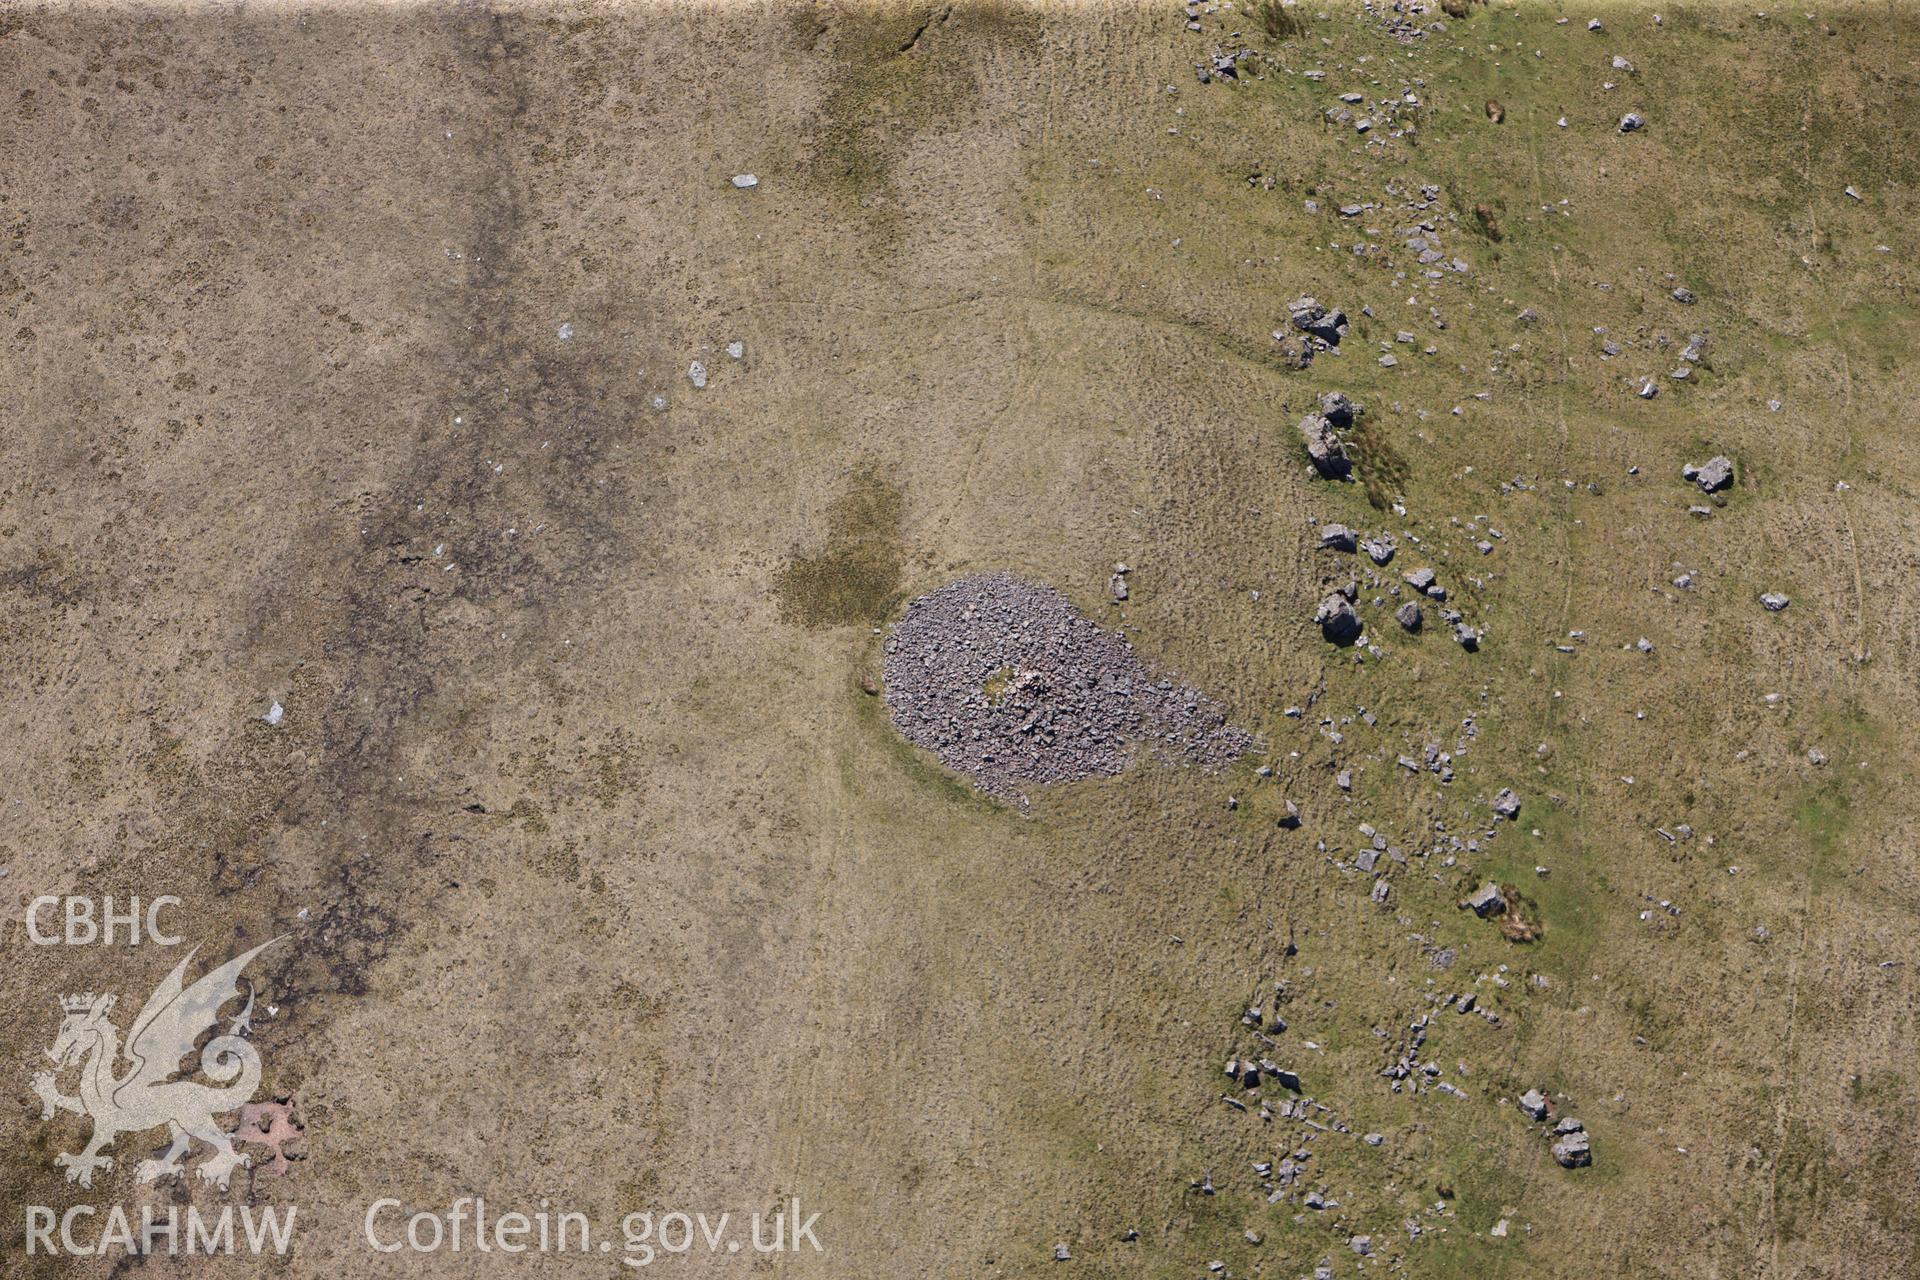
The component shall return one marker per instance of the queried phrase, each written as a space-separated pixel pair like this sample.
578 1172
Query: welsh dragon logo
147 1095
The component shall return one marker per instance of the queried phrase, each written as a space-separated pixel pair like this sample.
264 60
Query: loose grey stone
1339 410
1337 620
1486 900
1714 474
1324 447
1308 316
1573 1151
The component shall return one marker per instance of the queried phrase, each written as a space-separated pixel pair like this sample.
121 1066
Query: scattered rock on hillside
1632 122
1325 447
1534 1103
1409 616
1774 601
1507 804
1323 325
1486 900
1338 622
1573 1150
1380 549
1339 410
1337 537
1712 475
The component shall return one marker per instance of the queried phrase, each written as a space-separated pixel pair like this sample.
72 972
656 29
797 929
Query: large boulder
1337 537
1325 447
1308 316
1712 475
1339 409
1573 1151
1486 900
1337 620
